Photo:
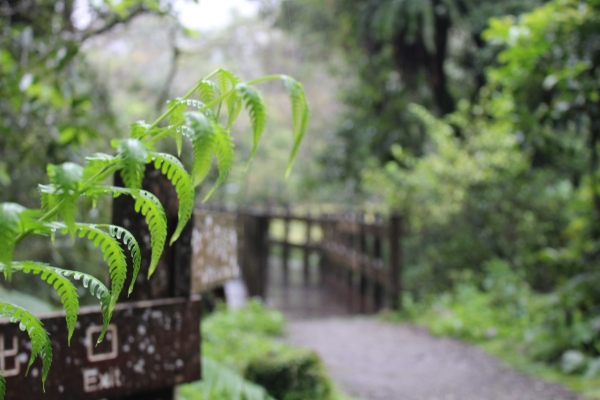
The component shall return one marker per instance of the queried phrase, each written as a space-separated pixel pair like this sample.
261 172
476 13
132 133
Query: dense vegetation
478 120
246 341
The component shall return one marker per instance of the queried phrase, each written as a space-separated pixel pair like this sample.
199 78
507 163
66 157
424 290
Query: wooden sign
149 345
214 250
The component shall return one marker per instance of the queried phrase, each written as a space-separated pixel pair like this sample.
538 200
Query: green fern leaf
234 108
40 342
177 119
94 171
139 130
172 168
2 386
149 206
9 228
66 178
96 164
300 115
132 245
48 196
65 289
203 137
227 82
133 155
96 288
111 250
113 255
208 91
257 112
224 149
177 116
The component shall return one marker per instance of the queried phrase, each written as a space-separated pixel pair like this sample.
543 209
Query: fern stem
264 79
43 218
50 214
185 97
207 106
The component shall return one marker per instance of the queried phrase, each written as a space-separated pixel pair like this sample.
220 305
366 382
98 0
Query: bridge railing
360 254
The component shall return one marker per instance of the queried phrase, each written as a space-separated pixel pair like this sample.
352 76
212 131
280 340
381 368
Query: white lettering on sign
8 353
111 336
94 380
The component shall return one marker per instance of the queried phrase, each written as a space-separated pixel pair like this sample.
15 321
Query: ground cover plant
221 383
502 314
248 341
220 97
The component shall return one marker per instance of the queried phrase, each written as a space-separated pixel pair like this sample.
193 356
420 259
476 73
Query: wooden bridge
327 265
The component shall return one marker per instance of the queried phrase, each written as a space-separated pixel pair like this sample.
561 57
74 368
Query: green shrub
221 383
246 341
290 374
255 317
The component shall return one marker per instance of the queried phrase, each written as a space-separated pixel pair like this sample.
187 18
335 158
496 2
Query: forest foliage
478 121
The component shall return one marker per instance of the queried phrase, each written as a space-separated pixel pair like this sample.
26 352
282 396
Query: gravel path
373 360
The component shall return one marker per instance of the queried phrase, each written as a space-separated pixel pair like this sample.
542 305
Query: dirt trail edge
373 360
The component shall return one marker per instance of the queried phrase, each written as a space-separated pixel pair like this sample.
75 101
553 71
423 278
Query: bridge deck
298 300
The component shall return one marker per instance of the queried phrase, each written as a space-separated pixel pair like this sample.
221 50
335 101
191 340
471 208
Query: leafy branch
207 128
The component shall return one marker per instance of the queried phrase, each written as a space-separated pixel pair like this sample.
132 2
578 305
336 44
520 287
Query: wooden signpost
149 345
153 341
214 250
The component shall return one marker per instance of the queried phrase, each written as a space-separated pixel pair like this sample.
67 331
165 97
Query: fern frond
257 112
40 342
96 164
96 288
177 119
132 245
49 197
139 130
149 206
94 171
208 91
66 178
203 137
224 149
227 82
133 155
172 168
112 253
9 227
2 386
64 288
177 116
300 114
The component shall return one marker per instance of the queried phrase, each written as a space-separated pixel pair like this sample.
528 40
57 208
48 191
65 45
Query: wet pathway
372 360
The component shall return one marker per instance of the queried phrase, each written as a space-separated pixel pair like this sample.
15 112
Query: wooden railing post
254 252
395 232
377 267
263 222
363 261
307 248
286 247
324 262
